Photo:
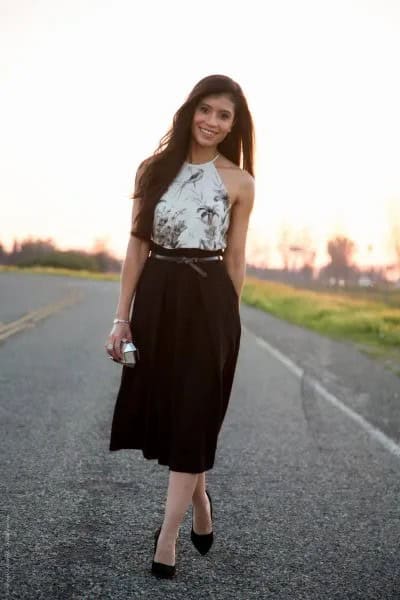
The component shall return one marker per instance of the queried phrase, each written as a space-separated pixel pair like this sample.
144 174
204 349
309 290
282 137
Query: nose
212 120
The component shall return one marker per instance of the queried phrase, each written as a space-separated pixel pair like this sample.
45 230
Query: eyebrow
226 110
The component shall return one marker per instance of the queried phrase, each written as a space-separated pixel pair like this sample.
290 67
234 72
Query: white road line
378 435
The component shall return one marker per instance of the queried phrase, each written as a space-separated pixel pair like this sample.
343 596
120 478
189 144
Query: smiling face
213 119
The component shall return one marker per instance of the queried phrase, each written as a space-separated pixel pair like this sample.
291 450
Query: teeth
206 131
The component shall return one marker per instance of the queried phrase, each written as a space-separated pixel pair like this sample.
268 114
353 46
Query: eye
203 108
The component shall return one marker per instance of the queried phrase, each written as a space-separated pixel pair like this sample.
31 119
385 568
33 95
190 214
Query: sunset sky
88 88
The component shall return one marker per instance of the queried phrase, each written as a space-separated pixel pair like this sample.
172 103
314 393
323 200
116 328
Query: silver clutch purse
130 355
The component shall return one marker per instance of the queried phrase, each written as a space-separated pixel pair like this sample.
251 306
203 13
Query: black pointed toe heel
160 569
203 542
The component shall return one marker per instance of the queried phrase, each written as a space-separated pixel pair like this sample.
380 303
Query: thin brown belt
189 260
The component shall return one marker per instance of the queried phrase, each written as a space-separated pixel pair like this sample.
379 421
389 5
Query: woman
185 266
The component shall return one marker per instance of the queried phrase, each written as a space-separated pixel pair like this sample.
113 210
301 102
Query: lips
207 132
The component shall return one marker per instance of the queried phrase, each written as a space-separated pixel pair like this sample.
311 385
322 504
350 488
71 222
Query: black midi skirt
187 328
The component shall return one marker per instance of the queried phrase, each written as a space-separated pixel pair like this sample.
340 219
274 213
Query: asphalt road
305 487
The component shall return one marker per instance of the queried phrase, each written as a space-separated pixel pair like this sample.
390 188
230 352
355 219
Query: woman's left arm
235 252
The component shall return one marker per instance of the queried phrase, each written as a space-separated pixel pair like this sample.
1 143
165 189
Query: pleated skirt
172 403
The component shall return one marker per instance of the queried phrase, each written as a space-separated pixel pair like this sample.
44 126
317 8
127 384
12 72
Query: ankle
168 536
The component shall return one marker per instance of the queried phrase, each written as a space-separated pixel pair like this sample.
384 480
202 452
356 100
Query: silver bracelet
120 321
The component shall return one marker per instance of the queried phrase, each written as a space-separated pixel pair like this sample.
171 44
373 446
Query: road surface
305 486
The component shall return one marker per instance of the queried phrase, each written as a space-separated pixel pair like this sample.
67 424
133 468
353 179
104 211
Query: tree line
36 252
298 259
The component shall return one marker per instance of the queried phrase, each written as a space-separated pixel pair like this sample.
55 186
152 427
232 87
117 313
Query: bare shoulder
225 163
245 198
247 181
241 180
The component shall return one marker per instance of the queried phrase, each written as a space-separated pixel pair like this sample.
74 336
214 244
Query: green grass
372 323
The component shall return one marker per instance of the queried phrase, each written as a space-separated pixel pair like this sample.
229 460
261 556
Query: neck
199 154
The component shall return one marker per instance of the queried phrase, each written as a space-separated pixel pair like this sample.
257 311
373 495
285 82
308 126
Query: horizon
391 272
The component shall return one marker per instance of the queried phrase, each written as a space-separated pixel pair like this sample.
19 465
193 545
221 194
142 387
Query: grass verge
61 272
373 324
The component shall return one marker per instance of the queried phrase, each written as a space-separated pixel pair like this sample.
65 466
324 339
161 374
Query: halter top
194 212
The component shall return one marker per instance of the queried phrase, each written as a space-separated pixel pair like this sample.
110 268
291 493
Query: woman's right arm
136 255
135 258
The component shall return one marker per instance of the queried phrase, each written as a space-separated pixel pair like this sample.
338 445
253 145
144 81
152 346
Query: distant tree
302 253
3 255
285 241
32 252
15 247
298 253
309 253
307 272
104 260
340 250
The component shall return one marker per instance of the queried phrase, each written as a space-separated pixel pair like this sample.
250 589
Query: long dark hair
161 168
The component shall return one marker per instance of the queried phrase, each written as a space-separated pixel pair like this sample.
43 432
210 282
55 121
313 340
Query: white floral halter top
194 212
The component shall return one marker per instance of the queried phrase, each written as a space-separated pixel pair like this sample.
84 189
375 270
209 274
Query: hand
119 333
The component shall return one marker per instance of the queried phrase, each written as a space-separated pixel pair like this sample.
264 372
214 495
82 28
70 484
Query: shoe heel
203 542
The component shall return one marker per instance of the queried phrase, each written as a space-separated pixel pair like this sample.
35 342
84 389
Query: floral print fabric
195 210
